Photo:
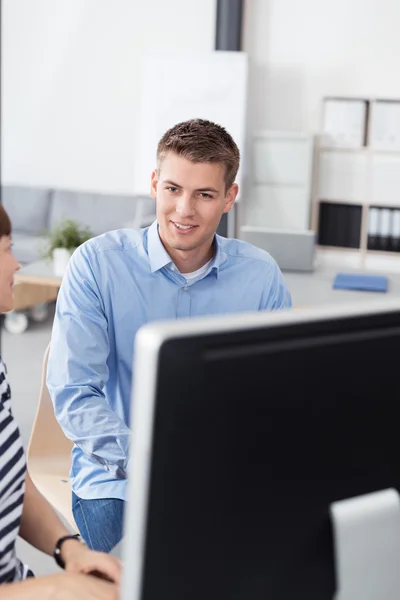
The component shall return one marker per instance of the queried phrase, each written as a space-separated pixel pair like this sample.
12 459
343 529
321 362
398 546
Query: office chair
49 455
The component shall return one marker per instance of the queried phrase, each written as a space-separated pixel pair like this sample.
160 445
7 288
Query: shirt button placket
184 302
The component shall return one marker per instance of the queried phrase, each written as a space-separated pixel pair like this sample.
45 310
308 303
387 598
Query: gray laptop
293 250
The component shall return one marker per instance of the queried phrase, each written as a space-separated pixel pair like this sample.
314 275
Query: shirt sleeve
276 295
77 369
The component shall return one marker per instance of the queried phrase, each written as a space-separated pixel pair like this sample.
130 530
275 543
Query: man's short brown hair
202 141
5 223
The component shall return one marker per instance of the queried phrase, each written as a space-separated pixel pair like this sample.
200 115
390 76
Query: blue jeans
100 522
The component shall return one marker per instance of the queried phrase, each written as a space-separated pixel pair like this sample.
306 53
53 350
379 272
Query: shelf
344 250
367 205
271 134
388 152
394 253
336 201
360 150
343 149
279 184
357 169
341 249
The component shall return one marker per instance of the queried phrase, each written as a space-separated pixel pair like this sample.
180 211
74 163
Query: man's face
190 201
8 266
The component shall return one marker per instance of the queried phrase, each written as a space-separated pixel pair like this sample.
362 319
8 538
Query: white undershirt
197 274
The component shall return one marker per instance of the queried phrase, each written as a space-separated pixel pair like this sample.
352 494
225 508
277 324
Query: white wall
302 50
70 92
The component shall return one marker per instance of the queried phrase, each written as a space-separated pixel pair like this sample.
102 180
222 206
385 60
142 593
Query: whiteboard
207 85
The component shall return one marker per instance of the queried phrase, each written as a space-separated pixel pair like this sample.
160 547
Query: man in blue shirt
178 267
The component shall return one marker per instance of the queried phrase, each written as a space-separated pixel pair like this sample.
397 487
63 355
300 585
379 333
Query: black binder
339 224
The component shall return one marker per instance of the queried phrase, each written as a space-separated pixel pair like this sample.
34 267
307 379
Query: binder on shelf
395 232
373 229
339 225
385 125
384 229
353 215
344 122
352 177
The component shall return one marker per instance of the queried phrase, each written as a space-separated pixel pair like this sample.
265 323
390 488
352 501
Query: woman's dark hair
5 223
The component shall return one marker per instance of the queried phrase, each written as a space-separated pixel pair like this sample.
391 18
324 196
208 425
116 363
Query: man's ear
230 197
153 186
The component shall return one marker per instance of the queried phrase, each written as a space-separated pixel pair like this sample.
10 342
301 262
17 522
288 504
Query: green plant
68 234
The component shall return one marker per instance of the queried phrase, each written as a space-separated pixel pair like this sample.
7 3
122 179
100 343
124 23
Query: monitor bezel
147 346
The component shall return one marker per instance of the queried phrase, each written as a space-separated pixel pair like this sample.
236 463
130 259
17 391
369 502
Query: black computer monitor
245 429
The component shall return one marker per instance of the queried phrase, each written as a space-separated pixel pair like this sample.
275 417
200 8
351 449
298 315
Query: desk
314 289
35 286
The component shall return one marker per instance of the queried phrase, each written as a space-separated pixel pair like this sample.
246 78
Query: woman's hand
79 559
72 586
61 586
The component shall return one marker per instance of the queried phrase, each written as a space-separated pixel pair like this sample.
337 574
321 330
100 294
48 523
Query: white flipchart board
206 85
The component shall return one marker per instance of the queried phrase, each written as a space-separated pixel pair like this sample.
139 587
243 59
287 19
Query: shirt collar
219 256
159 257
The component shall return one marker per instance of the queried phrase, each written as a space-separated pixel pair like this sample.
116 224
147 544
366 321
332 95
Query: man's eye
172 189
205 195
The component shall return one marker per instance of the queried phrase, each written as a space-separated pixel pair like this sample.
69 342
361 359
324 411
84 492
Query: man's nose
185 206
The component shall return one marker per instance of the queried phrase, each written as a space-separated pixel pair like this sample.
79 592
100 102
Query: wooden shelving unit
358 167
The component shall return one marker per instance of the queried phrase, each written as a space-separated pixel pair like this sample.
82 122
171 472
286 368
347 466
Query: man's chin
183 244
183 248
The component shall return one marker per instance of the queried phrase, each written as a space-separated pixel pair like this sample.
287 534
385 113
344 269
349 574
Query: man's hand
79 559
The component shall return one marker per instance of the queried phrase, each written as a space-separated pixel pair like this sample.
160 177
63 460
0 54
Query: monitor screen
245 429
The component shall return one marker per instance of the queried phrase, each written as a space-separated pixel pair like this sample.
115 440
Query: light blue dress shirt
114 284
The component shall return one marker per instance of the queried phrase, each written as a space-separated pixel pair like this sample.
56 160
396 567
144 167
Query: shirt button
186 288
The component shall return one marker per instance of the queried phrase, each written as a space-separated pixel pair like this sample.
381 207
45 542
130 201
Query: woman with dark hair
25 512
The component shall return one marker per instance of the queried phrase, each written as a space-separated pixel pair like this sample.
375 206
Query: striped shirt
12 485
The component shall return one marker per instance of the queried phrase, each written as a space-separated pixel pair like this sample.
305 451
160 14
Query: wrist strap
58 546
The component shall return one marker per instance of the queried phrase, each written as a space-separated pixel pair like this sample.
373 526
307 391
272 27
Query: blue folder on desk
361 282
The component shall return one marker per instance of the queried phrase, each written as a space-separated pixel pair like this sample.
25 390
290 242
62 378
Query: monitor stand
366 535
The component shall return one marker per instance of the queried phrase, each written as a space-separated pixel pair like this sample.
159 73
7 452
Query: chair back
47 438
49 454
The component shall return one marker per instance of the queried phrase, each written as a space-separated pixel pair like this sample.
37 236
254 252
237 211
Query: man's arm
77 369
276 295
